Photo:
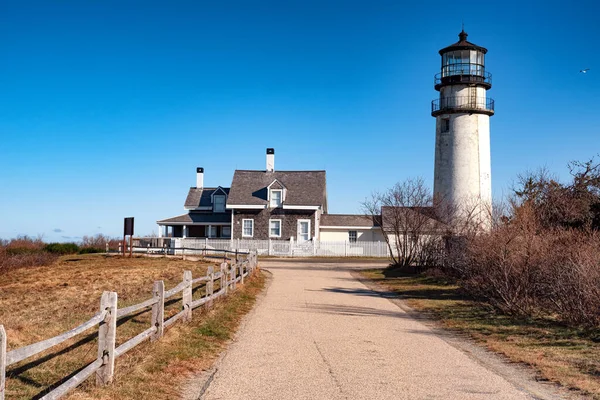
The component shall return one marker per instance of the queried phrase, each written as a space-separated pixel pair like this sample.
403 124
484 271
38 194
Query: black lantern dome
463 62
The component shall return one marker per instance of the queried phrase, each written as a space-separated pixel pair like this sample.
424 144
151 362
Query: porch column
160 231
209 231
184 233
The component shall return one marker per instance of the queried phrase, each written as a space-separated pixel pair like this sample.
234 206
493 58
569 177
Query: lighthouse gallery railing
466 103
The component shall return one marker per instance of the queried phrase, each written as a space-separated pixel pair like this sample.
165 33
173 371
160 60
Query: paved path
320 334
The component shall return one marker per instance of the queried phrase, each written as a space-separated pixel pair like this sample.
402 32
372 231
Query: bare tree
408 220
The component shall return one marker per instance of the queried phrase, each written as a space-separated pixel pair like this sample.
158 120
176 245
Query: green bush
61 248
89 250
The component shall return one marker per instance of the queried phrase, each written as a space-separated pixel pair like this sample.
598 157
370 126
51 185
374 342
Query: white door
303 230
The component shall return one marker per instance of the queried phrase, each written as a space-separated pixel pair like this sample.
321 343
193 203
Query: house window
226 231
276 195
445 124
219 203
274 228
352 236
212 231
247 227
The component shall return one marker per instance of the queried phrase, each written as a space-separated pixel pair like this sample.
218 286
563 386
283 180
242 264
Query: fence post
314 246
158 310
232 273
187 296
2 362
120 244
107 334
224 284
242 273
210 286
270 247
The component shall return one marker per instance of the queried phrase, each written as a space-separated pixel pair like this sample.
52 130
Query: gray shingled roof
349 220
197 218
304 188
200 197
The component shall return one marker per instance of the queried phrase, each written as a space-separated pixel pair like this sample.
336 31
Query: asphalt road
318 333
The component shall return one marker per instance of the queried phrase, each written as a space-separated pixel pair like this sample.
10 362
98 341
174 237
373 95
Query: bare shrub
24 251
99 241
410 227
571 279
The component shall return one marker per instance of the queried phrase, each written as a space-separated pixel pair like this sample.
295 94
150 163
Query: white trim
276 180
245 206
298 230
349 227
280 227
280 198
289 207
247 219
199 208
232 227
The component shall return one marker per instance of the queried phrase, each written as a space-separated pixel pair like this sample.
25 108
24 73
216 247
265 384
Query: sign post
128 230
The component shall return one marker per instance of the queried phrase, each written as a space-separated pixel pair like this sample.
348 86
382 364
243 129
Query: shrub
100 241
90 250
528 272
61 248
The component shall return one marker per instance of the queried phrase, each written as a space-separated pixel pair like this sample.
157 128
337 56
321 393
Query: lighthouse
462 172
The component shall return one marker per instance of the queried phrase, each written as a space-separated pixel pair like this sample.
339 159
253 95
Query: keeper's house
267 204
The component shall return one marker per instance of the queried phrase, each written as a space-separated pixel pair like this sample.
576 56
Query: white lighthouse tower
462 173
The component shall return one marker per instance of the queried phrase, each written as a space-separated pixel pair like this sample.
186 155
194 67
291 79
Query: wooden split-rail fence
106 319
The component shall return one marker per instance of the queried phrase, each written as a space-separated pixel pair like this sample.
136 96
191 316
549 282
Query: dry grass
40 302
161 370
561 354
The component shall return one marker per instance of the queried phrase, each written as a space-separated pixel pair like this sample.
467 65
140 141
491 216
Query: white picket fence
284 248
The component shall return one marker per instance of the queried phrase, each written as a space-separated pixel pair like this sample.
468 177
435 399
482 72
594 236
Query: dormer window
276 197
218 203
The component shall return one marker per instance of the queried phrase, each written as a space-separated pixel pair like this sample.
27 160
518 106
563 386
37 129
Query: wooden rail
107 317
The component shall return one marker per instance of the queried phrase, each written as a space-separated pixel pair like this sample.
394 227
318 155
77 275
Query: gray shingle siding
289 222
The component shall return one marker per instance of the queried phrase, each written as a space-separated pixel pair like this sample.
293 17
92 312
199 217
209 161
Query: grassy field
41 302
564 355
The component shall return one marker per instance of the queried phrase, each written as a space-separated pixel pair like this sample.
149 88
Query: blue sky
107 107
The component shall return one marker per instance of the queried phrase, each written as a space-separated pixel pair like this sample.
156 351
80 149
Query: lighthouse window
446 125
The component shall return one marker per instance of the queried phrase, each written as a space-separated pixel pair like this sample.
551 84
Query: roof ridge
274 172
209 188
351 215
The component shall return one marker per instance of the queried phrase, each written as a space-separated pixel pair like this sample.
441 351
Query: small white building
350 228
